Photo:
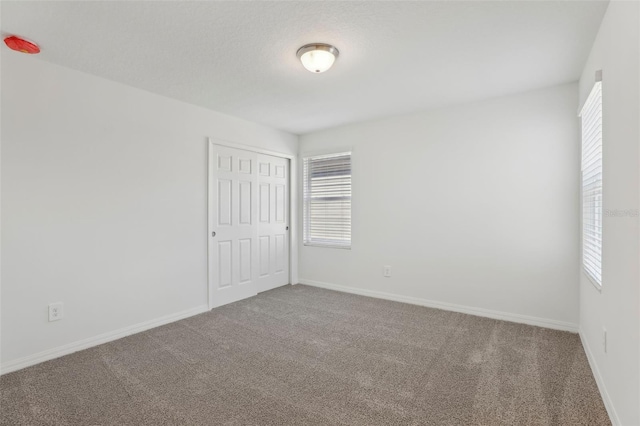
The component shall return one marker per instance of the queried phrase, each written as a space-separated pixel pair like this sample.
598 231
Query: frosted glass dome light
317 57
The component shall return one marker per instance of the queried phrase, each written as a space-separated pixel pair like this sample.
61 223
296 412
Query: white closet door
233 230
273 222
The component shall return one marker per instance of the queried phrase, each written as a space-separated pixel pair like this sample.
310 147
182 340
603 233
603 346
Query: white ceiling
239 57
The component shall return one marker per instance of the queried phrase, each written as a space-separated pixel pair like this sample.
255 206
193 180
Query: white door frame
293 203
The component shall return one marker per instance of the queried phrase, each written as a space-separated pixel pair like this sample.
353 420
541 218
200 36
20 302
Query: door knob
213 234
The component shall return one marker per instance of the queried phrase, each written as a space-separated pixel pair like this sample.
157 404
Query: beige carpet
299 355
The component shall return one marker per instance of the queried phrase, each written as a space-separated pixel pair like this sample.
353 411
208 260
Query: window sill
327 246
597 286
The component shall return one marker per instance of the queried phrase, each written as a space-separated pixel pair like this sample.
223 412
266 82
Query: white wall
104 203
474 206
616 53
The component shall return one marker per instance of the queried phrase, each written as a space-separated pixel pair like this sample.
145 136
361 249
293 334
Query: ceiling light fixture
317 57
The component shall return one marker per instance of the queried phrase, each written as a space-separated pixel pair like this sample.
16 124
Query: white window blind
327 200
592 184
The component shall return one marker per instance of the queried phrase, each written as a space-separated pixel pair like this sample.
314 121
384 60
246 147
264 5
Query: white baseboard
481 312
49 354
613 416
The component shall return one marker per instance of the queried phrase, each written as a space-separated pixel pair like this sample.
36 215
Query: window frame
306 220
595 208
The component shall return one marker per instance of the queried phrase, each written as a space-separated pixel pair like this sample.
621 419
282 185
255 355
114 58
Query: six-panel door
233 225
273 221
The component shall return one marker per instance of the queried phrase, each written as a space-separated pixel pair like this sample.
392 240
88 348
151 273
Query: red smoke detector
21 45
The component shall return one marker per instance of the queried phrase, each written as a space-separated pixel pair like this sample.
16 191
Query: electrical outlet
386 271
604 339
55 311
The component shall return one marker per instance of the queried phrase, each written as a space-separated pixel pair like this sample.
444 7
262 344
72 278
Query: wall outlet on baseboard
55 311
386 271
604 339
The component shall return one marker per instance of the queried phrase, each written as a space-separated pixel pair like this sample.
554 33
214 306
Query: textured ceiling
239 57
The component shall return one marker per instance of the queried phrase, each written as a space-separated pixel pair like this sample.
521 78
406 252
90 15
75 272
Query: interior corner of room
448 166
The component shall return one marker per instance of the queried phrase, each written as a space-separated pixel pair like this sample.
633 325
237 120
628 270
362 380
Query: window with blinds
327 200
591 115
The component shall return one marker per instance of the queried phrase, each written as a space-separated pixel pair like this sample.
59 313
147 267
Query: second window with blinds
592 184
327 200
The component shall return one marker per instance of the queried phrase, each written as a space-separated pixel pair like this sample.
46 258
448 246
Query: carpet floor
300 355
